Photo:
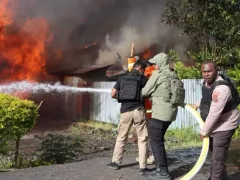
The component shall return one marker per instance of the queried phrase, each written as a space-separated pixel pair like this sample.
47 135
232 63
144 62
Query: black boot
163 173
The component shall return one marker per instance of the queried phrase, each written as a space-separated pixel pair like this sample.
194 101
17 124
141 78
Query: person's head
149 64
209 71
160 60
140 66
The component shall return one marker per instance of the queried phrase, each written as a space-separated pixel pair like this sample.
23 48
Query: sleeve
151 85
220 97
143 81
117 85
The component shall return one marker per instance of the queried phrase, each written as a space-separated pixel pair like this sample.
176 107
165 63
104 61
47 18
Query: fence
106 109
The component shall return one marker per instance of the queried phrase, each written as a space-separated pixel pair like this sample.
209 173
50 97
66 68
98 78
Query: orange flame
22 49
5 15
147 54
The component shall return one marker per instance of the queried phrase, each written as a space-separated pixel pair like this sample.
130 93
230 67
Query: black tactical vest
207 100
130 87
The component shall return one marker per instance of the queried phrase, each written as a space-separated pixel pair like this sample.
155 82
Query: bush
237 134
59 148
187 72
17 118
5 162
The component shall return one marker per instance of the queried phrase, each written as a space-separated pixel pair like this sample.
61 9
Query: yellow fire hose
205 147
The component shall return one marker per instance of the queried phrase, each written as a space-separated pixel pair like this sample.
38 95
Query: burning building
75 43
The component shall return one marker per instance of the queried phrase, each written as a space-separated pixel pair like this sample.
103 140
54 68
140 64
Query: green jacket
158 89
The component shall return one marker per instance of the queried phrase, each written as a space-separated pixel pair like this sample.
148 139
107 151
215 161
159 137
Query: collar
219 78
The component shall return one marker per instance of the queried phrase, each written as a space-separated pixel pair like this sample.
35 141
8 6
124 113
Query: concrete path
96 169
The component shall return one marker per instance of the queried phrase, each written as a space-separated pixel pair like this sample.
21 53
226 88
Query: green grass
98 125
182 138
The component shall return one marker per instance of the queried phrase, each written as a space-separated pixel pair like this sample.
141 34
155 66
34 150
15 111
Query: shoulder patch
215 95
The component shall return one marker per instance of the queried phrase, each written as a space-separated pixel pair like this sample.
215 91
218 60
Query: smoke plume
111 24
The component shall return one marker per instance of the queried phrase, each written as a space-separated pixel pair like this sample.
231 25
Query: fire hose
205 146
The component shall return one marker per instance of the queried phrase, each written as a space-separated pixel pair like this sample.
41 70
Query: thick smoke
143 27
114 24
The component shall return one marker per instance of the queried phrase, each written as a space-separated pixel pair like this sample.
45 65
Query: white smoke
144 29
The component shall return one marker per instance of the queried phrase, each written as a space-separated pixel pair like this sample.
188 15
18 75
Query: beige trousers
137 119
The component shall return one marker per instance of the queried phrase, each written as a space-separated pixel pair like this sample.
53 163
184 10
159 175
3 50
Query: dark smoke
112 24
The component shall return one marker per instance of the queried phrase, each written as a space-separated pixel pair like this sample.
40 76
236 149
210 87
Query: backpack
231 84
177 92
130 88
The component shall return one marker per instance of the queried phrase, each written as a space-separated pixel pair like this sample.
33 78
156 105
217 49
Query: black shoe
164 176
113 165
163 173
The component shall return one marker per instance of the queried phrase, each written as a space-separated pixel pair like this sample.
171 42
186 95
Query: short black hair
149 63
140 63
210 62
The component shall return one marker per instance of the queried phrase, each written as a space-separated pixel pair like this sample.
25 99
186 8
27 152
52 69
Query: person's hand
202 137
194 106
156 67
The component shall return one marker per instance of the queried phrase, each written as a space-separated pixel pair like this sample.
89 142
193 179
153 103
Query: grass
182 138
98 125
175 138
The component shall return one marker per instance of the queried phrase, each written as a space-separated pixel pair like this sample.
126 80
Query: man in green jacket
158 88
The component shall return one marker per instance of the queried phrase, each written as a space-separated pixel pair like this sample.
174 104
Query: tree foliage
213 27
17 118
184 71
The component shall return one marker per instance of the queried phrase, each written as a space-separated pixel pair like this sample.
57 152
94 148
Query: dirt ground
98 147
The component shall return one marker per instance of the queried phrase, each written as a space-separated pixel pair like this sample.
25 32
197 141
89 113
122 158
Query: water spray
38 88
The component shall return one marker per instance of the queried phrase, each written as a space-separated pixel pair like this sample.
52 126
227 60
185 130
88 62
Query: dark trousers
157 130
219 145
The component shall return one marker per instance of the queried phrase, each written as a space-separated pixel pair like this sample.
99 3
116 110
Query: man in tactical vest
218 108
164 110
128 92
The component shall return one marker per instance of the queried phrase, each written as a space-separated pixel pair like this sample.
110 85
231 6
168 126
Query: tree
183 71
17 118
213 27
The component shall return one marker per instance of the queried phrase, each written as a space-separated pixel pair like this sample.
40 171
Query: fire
22 47
148 53
5 15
